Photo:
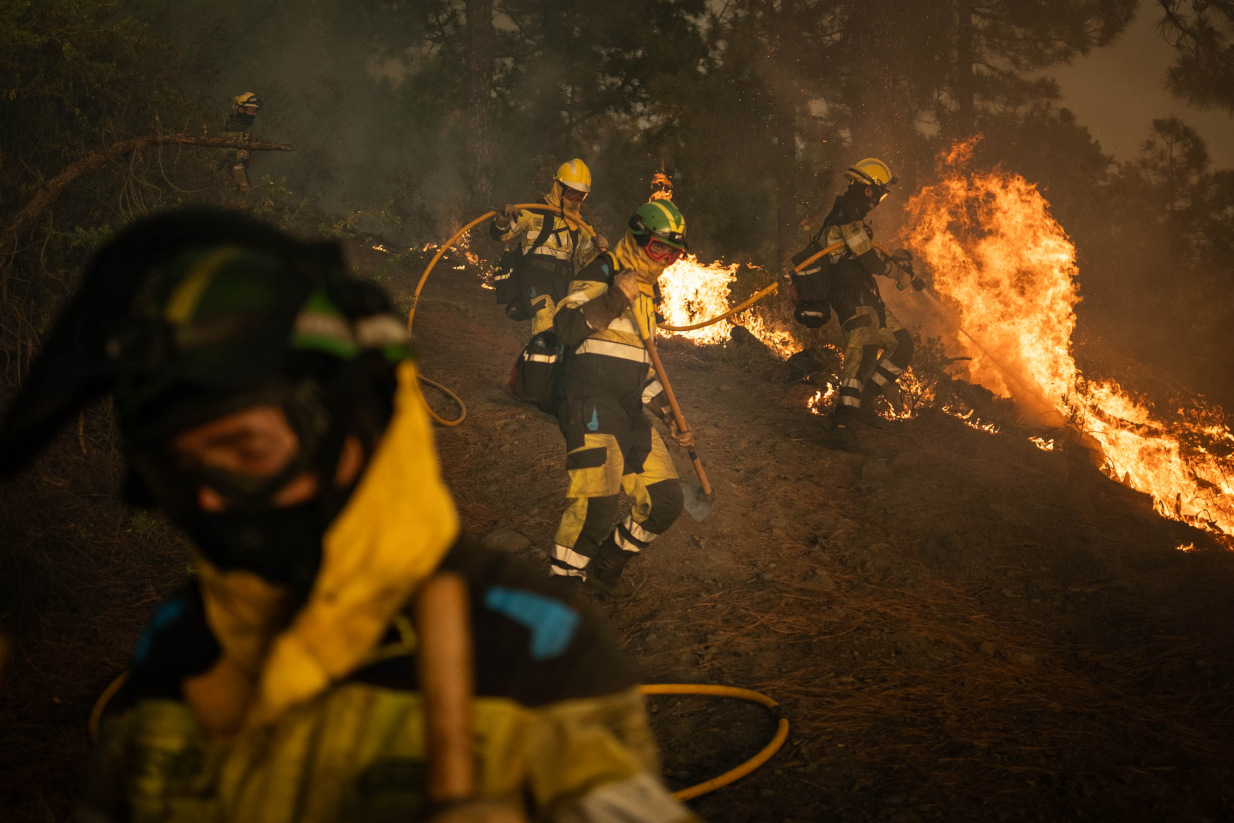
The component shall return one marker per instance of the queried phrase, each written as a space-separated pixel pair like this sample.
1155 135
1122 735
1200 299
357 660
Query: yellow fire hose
415 300
750 765
730 776
759 295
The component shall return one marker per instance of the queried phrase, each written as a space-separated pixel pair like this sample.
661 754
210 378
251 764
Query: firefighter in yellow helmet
876 348
544 251
268 406
608 382
244 108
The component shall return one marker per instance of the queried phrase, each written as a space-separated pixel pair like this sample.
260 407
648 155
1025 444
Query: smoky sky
1117 91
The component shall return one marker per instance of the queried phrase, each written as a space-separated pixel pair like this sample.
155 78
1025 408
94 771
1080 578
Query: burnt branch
93 162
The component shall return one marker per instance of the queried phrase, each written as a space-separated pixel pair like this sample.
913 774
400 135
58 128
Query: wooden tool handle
698 469
650 344
447 681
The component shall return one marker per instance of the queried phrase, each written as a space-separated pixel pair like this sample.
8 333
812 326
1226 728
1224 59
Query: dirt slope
959 625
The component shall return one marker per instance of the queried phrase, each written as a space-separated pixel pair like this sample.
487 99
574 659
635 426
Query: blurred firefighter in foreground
876 348
239 123
544 251
268 407
608 381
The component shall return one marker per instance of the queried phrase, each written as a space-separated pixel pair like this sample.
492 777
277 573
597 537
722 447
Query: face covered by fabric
558 198
196 317
211 306
302 563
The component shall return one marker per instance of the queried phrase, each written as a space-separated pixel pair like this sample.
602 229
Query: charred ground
959 625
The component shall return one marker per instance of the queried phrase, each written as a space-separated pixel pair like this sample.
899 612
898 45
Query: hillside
959 625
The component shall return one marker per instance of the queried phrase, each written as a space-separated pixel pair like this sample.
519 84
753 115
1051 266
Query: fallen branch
93 162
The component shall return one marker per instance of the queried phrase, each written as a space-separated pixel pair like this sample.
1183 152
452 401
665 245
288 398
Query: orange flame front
1007 270
693 293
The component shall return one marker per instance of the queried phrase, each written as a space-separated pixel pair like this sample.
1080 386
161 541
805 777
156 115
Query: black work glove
919 284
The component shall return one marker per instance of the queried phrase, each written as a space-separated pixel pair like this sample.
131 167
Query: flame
661 187
693 292
823 400
969 418
1007 270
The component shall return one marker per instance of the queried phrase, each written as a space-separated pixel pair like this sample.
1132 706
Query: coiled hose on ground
730 776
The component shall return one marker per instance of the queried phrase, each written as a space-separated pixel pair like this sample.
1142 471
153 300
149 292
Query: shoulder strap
546 228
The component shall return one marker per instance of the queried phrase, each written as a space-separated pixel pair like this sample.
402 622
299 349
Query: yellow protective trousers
866 374
610 448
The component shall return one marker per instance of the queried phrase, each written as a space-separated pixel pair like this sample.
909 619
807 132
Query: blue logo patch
167 614
551 622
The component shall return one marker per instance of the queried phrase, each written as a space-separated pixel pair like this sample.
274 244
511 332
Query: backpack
508 279
536 374
813 283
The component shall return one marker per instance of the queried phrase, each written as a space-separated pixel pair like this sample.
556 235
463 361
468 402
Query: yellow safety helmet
246 99
870 171
574 174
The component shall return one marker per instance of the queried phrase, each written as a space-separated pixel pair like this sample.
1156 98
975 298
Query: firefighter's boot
842 436
604 572
867 416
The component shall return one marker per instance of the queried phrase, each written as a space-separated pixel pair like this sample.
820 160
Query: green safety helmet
659 220
190 314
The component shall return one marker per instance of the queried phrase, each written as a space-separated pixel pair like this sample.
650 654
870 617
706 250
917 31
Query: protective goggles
662 252
573 195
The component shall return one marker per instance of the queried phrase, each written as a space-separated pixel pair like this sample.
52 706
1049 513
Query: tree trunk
478 106
965 115
785 131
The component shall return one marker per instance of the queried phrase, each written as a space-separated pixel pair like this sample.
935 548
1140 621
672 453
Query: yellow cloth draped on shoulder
391 535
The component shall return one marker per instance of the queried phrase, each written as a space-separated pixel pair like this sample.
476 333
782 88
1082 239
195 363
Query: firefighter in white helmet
244 108
876 348
545 250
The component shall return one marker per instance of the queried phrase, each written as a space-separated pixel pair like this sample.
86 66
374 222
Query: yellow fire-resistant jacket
607 352
334 729
566 246
559 724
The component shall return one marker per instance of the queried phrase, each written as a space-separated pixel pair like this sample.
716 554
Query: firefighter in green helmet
269 408
545 249
608 383
877 349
